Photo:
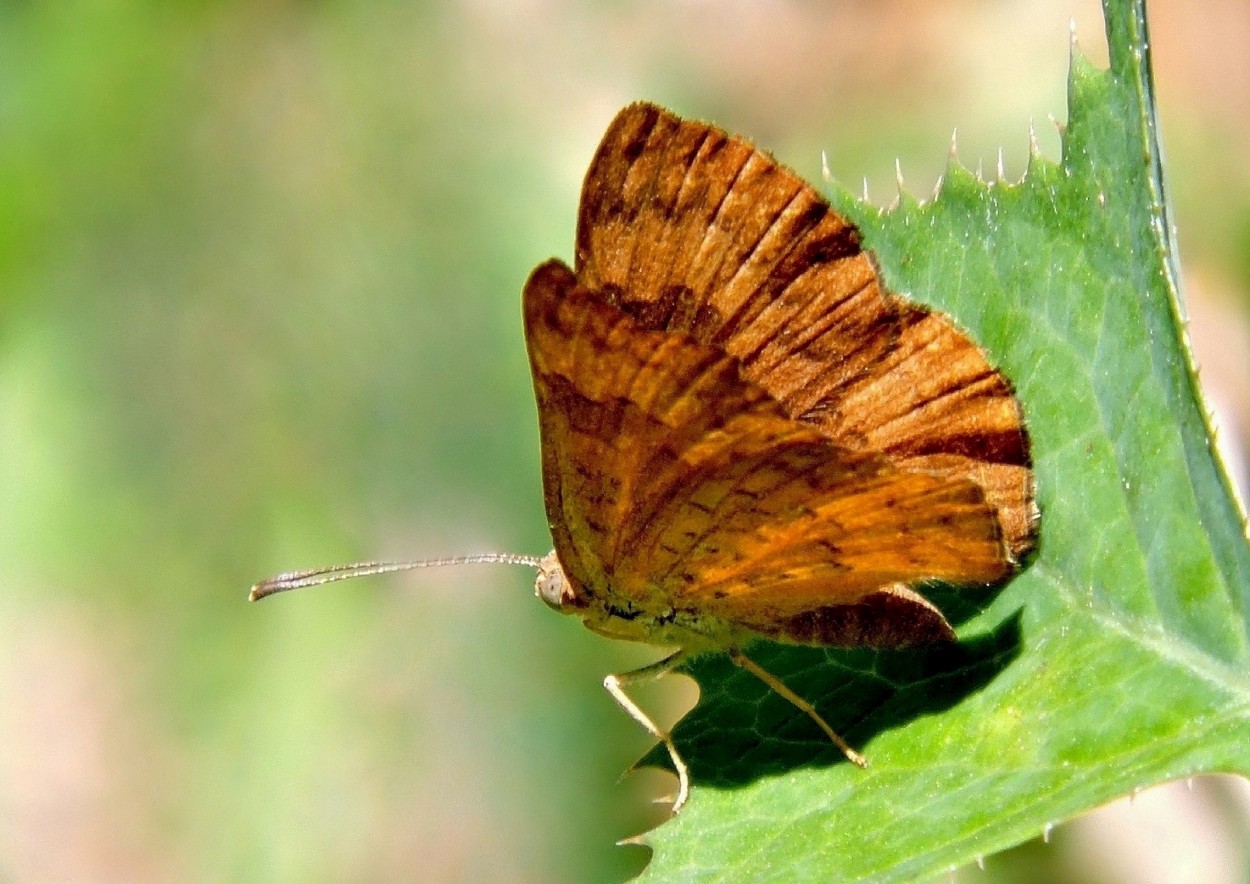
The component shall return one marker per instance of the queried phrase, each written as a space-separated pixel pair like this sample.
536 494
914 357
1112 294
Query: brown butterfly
743 434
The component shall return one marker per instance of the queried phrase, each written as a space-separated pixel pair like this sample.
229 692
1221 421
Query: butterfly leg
776 684
616 684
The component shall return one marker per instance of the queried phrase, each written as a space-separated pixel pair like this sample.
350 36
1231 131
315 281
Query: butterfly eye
551 585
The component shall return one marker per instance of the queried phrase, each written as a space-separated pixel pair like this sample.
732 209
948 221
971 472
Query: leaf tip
639 840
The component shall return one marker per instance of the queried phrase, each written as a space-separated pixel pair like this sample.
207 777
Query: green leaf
1119 657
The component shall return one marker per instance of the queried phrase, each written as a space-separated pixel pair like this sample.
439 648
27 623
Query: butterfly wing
670 480
689 229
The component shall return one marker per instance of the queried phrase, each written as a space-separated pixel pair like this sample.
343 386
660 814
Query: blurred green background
260 267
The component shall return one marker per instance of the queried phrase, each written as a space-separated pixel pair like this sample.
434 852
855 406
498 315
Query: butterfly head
554 587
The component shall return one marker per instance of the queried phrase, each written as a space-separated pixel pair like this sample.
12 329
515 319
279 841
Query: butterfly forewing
669 476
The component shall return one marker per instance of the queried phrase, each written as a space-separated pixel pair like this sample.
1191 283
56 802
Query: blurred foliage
259 276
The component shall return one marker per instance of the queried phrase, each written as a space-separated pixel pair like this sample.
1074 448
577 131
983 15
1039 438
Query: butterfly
744 434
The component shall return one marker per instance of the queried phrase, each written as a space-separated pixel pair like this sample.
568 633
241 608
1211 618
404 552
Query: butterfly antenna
316 576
